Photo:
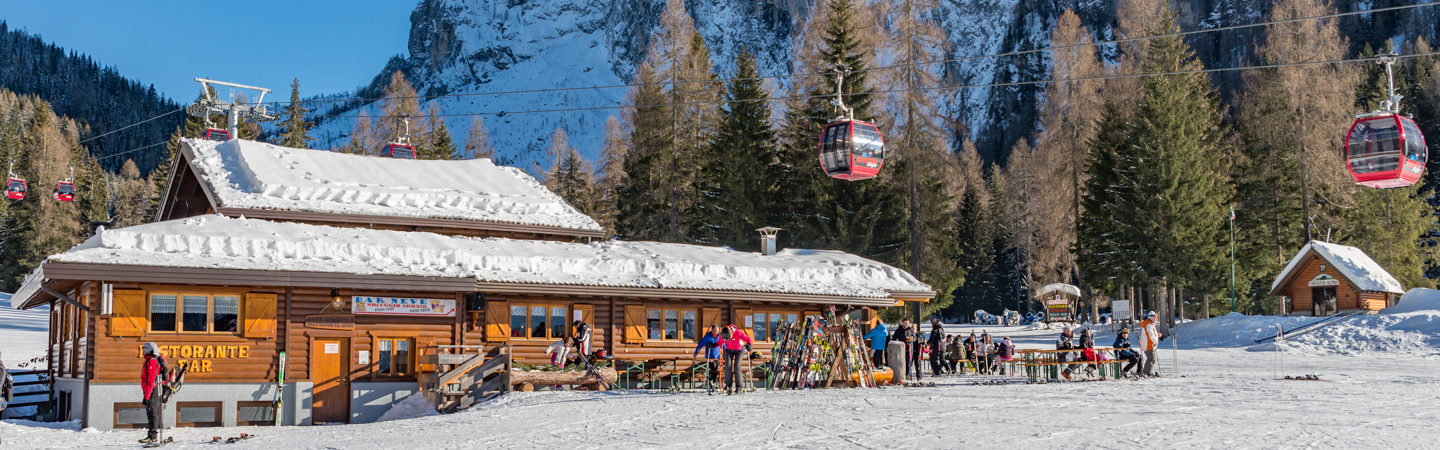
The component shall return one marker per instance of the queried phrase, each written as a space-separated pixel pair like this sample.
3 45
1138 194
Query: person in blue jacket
879 338
711 344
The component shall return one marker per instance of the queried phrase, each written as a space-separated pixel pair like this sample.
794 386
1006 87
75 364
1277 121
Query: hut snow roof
1354 264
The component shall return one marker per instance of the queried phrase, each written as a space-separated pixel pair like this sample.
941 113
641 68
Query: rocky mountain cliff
462 47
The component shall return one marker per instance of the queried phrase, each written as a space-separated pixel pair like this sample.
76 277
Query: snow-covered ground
1225 394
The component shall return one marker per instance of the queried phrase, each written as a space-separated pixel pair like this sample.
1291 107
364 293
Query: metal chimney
767 240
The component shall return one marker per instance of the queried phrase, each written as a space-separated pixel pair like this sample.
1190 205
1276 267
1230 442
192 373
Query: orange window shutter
129 313
708 317
259 316
587 314
635 329
741 316
497 321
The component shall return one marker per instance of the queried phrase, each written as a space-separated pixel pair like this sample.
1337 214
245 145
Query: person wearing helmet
151 382
1151 341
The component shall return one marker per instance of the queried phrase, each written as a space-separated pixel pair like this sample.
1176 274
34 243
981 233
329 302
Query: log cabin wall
628 328
235 357
1346 295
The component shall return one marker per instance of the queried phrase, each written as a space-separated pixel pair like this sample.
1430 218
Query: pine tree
1183 177
611 174
919 152
37 227
399 104
1068 115
437 142
133 195
737 189
570 177
362 137
639 200
92 196
1287 119
477 141
295 130
866 218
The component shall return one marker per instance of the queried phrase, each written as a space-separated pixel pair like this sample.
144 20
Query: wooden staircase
465 375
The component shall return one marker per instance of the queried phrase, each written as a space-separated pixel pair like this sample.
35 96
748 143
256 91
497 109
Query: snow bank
216 241
1418 299
413 406
1411 328
254 175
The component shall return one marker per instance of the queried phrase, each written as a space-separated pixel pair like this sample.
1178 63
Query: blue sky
330 45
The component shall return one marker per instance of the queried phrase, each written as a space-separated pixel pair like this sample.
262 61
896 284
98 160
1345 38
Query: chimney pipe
767 240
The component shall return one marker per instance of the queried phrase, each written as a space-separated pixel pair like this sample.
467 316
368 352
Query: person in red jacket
151 382
735 342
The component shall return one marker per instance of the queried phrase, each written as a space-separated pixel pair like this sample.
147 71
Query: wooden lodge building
357 267
1325 279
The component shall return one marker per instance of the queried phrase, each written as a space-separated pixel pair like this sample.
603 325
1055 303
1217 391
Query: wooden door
330 368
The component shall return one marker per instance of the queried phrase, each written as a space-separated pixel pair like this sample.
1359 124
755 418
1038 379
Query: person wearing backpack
711 344
937 347
152 381
878 340
734 342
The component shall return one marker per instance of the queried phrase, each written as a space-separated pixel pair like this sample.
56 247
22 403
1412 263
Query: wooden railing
39 398
465 375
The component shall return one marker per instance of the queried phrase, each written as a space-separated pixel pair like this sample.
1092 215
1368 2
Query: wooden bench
1047 364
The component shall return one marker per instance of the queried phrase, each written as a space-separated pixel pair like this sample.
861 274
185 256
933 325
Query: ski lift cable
968 58
893 66
924 89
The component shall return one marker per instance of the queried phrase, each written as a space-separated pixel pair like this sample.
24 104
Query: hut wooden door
1322 300
330 364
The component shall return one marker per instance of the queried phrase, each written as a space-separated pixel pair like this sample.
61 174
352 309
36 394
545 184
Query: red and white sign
400 306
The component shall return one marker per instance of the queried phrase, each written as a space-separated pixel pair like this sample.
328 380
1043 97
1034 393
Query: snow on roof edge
1351 261
216 241
229 179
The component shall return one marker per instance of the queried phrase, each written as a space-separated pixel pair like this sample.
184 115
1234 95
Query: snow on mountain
461 49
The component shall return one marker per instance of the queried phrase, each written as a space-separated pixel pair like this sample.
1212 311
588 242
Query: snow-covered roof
219 242
1365 273
1058 287
249 175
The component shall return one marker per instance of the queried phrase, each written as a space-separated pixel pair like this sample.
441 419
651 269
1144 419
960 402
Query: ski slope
22 334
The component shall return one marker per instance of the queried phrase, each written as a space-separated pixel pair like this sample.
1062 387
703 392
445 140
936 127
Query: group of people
946 353
951 354
725 345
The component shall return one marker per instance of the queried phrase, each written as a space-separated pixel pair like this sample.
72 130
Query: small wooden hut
1324 279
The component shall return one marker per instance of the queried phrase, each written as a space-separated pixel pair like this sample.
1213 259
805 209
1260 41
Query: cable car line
887 67
792 75
934 88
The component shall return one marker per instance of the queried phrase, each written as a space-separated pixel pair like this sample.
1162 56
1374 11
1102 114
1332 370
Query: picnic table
1038 363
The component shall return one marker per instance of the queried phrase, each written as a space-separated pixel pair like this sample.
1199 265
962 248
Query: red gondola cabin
401 151
851 150
15 189
216 134
65 191
1385 151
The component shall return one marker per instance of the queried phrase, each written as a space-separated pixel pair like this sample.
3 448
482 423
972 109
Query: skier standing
905 334
152 380
582 339
937 347
711 344
917 354
878 337
1151 339
734 341
982 354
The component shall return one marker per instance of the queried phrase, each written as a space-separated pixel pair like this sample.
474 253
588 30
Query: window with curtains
666 324
767 324
393 356
539 321
194 312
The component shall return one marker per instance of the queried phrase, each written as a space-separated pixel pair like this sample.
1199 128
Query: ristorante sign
401 306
